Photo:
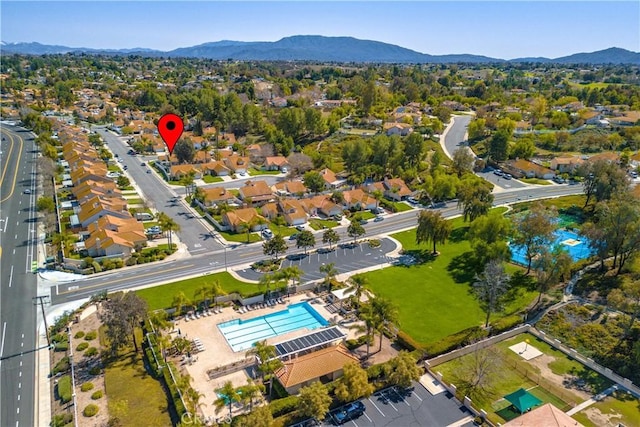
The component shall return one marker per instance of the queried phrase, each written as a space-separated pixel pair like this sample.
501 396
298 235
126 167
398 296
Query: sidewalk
598 397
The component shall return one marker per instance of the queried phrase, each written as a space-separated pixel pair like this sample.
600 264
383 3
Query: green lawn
319 224
254 172
621 408
162 296
434 297
113 168
283 230
559 203
240 237
536 181
401 207
363 215
134 201
133 395
209 179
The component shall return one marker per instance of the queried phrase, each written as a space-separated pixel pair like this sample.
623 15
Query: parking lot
394 407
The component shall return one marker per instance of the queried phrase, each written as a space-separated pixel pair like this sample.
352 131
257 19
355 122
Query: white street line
416 395
16 237
18 398
4 329
6 222
19 385
365 414
11 276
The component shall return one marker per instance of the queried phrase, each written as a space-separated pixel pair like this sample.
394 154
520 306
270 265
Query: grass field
283 230
434 297
239 237
536 181
134 397
564 202
257 172
162 296
401 207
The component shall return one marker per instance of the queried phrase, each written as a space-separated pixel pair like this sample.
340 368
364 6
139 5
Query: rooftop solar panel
305 342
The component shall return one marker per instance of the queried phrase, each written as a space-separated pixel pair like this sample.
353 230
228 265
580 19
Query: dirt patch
542 362
389 351
600 419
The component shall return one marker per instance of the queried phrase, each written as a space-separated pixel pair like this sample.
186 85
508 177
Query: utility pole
42 301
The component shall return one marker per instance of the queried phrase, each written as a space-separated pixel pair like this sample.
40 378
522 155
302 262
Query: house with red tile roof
275 163
565 164
525 168
359 200
292 210
289 187
236 220
217 195
396 189
256 192
321 205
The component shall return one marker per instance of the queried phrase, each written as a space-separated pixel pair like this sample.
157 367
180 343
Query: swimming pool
241 334
577 246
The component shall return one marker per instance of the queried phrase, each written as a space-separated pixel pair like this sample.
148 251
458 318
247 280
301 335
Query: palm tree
60 241
228 396
292 273
249 392
168 224
268 363
432 227
367 315
188 180
216 291
180 301
266 281
377 194
357 284
330 272
385 312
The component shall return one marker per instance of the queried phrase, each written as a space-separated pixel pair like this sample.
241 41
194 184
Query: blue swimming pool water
578 251
241 334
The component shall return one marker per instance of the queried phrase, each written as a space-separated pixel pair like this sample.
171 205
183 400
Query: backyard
422 290
552 377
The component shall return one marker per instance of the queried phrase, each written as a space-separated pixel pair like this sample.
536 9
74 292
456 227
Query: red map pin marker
170 128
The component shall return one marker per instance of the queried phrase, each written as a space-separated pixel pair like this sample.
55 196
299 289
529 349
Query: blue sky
503 29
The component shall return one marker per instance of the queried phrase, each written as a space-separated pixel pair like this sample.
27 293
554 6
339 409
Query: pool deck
217 351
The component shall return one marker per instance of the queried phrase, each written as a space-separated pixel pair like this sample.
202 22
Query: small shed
522 400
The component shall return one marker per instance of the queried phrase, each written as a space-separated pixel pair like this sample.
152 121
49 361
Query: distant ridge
323 49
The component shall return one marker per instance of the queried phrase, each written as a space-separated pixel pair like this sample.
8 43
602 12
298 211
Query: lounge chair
280 300
273 302
249 308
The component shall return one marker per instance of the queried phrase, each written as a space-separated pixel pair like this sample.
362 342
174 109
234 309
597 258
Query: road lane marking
16 237
18 398
11 276
416 395
15 175
19 385
365 414
122 280
376 406
4 330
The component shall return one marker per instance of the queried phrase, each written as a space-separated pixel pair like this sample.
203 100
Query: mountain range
322 49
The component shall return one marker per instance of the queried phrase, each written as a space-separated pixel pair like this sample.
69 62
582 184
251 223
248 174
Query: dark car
294 236
348 412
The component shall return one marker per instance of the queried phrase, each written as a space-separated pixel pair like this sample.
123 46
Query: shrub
456 340
61 420
91 351
374 243
283 406
59 337
82 346
64 389
90 336
90 410
86 386
505 323
406 341
61 366
96 395
61 346
96 267
95 370
79 335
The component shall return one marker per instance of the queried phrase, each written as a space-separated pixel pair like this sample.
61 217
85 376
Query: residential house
292 210
275 163
634 160
566 164
397 128
215 168
629 118
238 219
358 200
95 208
321 205
289 187
330 179
177 172
546 415
256 192
326 363
521 167
396 189
217 195
236 163
104 242
608 156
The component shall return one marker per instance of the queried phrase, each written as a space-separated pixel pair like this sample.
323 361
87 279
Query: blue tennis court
577 246
241 334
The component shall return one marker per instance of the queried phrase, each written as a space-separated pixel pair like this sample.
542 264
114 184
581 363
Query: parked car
498 172
363 221
507 176
337 217
349 412
294 236
27 191
267 234
143 164
412 200
299 227
148 170
378 219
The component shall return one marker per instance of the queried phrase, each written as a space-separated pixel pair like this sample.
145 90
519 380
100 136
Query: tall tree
313 181
249 392
122 313
414 148
491 287
385 313
355 230
626 298
478 371
274 246
619 219
499 146
551 266
259 417
314 401
184 151
180 301
534 230
353 384
603 180
463 161
432 227
488 235
305 240
331 237
475 198
168 225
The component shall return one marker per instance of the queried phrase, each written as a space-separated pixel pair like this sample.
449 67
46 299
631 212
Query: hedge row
64 388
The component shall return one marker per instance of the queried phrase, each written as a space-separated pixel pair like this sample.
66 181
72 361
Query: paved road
161 197
18 337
